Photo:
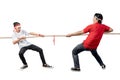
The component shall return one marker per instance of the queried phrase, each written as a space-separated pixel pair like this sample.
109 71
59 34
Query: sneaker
75 69
46 65
103 66
24 66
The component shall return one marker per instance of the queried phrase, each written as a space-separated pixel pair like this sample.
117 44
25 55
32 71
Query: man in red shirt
96 31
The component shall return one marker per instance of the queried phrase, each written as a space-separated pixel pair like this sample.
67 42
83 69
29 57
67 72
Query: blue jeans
79 48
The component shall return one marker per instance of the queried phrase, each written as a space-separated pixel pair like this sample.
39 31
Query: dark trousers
31 47
79 48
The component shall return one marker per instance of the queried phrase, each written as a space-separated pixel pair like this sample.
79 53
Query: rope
11 37
59 35
55 35
80 35
112 33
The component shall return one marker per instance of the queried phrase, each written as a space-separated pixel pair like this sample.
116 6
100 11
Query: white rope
58 35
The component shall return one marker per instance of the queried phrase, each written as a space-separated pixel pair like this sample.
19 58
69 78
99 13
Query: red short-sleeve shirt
96 32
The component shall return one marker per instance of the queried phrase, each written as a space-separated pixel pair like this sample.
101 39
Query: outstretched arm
36 34
75 33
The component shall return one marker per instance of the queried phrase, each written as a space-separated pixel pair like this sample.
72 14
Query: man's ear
96 19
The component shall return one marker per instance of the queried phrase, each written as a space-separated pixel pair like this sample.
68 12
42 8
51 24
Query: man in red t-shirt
96 31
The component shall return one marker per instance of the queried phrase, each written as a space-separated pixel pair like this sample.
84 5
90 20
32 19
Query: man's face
17 28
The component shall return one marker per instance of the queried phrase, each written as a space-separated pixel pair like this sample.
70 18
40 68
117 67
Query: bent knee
74 52
40 50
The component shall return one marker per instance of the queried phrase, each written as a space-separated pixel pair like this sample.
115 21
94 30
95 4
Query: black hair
99 17
16 24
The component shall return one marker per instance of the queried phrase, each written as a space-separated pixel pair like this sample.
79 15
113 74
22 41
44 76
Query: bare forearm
32 33
75 33
36 34
16 41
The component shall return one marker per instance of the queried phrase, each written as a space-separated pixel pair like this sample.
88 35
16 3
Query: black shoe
46 65
23 67
103 66
75 69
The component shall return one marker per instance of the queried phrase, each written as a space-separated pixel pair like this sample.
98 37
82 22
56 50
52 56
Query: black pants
79 48
31 47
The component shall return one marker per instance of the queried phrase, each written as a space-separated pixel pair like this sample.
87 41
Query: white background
58 17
